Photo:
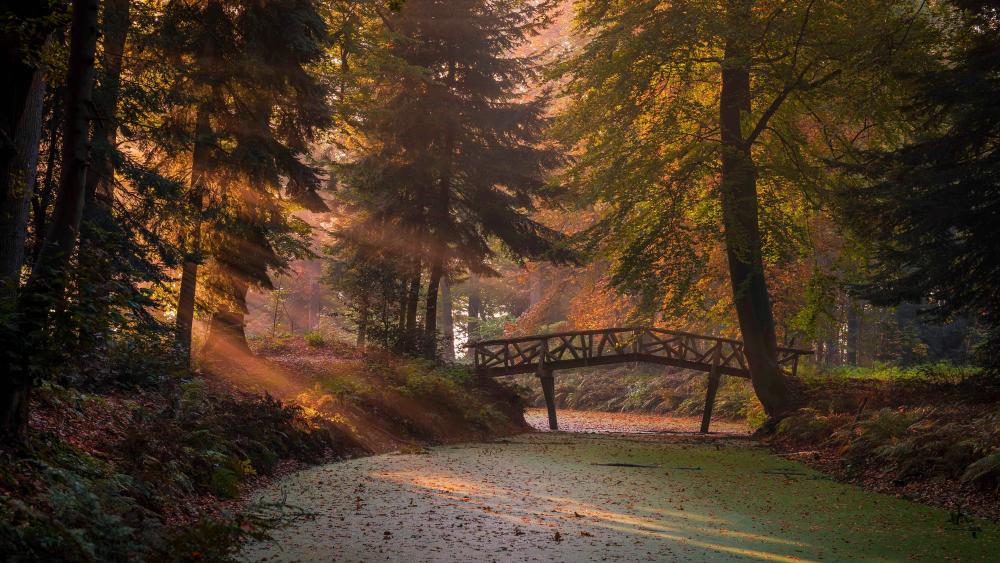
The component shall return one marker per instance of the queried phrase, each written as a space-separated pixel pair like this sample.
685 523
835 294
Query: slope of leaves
109 477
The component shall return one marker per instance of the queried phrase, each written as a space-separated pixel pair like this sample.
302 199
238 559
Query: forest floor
592 497
162 470
630 423
386 403
930 440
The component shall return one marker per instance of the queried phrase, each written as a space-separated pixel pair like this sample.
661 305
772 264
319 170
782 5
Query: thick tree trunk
200 168
738 190
447 321
101 175
441 215
19 184
47 283
200 163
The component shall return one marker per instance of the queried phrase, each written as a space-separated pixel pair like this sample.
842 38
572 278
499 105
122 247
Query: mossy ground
547 496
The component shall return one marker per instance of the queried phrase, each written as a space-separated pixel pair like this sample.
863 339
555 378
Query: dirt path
549 497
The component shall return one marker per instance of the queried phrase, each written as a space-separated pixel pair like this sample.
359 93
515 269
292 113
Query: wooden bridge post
548 381
713 388
549 390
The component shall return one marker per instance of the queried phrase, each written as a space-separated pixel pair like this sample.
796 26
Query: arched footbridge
544 354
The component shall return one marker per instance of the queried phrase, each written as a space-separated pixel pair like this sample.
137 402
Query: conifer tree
453 153
256 106
929 217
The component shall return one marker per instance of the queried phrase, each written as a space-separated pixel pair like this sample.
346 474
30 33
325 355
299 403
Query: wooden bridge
543 354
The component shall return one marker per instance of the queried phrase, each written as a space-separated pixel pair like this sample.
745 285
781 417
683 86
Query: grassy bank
930 433
159 471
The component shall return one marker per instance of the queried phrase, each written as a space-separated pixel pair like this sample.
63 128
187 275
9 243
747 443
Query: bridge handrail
518 339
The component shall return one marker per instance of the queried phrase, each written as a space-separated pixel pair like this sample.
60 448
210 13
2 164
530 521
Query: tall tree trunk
447 321
47 281
200 163
853 332
42 197
364 318
99 251
475 310
738 190
21 110
412 302
200 168
101 175
440 214
430 311
19 184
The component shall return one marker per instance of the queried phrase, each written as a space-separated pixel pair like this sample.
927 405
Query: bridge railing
617 345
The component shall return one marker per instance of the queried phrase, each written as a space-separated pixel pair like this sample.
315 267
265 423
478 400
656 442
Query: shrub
315 339
808 425
341 387
268 345
985 471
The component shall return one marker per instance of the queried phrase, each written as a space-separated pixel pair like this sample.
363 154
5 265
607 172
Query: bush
426 380
808 425
985 472
268 345
315 339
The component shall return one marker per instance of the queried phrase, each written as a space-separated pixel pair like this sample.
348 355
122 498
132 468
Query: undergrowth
114 501
906 443
628 391
932 373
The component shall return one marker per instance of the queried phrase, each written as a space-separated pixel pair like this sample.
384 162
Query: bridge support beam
713 388
549 390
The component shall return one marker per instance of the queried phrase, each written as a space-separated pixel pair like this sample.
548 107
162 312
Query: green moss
686 501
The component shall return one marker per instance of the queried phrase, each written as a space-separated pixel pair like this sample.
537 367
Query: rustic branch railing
543 354
566 350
